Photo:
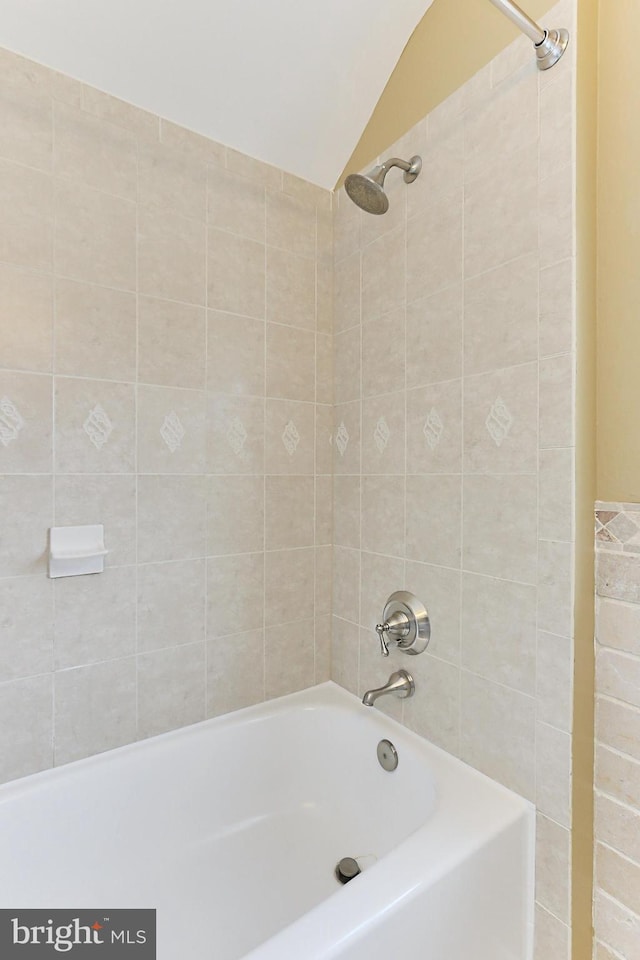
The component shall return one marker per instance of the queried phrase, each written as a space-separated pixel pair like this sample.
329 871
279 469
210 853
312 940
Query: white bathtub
232 828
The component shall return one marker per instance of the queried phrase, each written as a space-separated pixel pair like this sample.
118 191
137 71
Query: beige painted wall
468 34
619 252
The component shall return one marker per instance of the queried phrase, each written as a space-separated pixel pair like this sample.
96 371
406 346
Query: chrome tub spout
400 684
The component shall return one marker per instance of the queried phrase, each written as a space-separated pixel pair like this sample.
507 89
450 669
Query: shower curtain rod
549 44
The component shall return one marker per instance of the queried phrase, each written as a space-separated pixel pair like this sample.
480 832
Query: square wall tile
291 289
556 402
235 354
171 430
555 587
436 319
501 225
435 714
172 181
26 621
290 365
291 224
553 852
346 511
95 709
383 355
289 517
345 644
171 343
554 681
347 362
501 421
171 689
383 513
434 428
324 439
501 316
235 434
25 120
95 426
235 594
25 423
236 274
502 125
346 293
553 773
500 527
434 247
94 152
171 604
433 519
95 236
235 514
384 266
95 618
235 672
380 576
26 320
499 631
557 289
26 727
324 368
504 751
439 590
95 331
171 518
323 594
345 438
26 227
289 585
289 658
236 204
383 434
171 256
26 506
289 437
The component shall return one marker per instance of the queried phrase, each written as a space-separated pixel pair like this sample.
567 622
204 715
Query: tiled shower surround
453 439
617 772
165 324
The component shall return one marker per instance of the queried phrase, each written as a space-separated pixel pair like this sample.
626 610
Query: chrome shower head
367 189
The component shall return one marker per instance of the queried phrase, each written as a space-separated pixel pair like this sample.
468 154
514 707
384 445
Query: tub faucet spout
400 684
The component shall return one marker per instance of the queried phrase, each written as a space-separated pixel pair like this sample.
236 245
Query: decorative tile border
617 527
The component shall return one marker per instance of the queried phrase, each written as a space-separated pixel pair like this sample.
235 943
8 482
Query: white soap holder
74 551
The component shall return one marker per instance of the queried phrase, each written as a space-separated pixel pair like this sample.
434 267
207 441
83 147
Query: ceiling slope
291 82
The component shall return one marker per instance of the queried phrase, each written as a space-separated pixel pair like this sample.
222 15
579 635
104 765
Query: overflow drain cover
387 755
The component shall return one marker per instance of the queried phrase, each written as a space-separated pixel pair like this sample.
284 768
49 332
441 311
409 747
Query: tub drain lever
347 869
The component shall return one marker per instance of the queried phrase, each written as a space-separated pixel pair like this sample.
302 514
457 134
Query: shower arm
549 44
411 167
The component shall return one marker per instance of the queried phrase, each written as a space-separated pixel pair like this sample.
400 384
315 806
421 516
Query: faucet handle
382 629
395 628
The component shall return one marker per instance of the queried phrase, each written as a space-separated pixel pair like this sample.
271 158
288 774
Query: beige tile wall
453 439
617 772
165 369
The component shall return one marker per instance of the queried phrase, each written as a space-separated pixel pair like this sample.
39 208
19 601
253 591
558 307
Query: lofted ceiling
291 82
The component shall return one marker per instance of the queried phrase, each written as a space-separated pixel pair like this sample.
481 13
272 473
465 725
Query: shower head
367 189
